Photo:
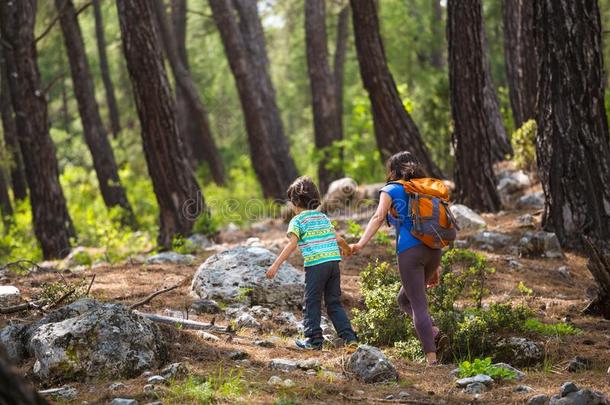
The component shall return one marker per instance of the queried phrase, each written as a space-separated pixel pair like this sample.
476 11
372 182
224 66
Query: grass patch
545 329
217 386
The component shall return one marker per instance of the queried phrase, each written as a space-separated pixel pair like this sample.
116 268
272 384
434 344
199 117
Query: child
314 234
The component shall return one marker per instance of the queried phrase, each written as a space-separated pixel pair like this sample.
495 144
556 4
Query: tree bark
52 223
6 209
326 119
339 63
184 80
18 181
474 178
179 198
254 39
572 145
273 180
395 131
96 138
500 145
113 111
437 59
599 266
520 57
14 389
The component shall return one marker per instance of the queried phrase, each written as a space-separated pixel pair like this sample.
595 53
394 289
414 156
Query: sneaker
351 342
308 344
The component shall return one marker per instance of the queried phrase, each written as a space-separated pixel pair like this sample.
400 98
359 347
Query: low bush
533 325
484 366
523 141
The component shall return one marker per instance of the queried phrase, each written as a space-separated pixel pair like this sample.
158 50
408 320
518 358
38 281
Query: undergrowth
218 386
484 366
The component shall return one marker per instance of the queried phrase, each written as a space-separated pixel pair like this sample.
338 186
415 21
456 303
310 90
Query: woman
417 263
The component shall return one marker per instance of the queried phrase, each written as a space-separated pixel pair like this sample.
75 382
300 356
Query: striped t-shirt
316 235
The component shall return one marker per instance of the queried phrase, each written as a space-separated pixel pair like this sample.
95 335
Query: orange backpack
433 222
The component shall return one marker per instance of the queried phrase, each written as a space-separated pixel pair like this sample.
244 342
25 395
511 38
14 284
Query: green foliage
411 349
484 366
218 386
53 291
354 230
523 289
183 246
524 145
18 241
533 325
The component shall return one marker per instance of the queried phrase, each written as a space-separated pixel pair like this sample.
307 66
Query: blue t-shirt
403 223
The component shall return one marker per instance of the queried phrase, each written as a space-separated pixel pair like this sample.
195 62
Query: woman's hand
356 247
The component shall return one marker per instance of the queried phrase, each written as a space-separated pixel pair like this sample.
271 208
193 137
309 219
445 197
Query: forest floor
128 283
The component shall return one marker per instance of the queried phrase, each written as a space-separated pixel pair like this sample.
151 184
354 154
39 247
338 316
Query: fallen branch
181 323
386 401
90 284
153 295
22 307
20 264
59 301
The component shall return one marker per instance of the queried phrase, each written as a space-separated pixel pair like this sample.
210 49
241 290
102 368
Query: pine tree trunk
599 266
113 111
14 389
6 209
520 58
188 88
474 178
572 146
273 181
96 138
326 118
395 131
52 223
437 59
500 145
179 198
18 180
339 63
254 39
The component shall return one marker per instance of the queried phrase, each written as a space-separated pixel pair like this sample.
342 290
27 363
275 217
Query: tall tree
113 111
572 146
273 180
52 223
474 178
520 58
437 59
339 62
14 388
18 181
254 39
179 198
326 118
96 138
6 209
188 88
395 131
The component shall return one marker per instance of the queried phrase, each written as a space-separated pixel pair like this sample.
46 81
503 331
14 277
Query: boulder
513 181
540 399
170 258
492 240
579 363
370 365
205 307
370 191
533 201
466 218
580 397
479 378
567 388
238 274
540 244
9 295
519 351
108 340
12 338
340 192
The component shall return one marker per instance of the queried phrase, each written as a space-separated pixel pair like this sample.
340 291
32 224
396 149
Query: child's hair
303 193
403 166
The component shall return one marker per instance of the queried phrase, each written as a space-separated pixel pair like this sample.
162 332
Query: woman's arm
385 202
286 252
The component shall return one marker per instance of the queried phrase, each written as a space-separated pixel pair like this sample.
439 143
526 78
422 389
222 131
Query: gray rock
208 336
108 340
492 240
123 401
579 363
254 242
283 365
174 370
170 258
226 275
403 395
288 383
475 388
309 364
328 375
199 241
540 399
370 365
65 393
264 343
275 381
205 307
260 312
12 337
565 273
245 320
340 193
479 378
231 228
537 244
370 191
289 324
466 218
156 379
531 201
117 386
526 221
519 375
581 397
523 388
149 388
238 355
9 295
519 351
568 387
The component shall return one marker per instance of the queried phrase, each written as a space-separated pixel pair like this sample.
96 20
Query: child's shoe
308 344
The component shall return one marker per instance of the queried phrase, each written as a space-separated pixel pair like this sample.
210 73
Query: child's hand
346 250
355 248
272 271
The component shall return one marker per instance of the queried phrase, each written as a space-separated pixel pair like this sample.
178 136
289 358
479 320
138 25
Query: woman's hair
303 193
403 166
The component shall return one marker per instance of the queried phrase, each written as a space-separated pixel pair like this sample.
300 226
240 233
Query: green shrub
478 366
524 145
533 325
410 349
216 387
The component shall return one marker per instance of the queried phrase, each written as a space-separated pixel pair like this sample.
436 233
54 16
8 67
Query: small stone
539 399
155 403
311 372
238 355
283 365
117 386
309 364
275 381
65 393
371 365
149 388
567 388
9 295
205 307
174 370
579 363
403 395
526 220
329 375
523 388
359 392
264 343
564 272
475 388
246 320
288 383
531 201
467 218
208 336
123 401
479 378
157 379
389 397
170 258
147 374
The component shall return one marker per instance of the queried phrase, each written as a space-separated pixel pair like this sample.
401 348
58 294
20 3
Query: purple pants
416 266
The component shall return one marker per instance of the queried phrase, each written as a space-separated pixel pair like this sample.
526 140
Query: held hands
272 271
356 247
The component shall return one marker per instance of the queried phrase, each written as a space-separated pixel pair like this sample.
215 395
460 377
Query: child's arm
385 202
346 250
286 252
